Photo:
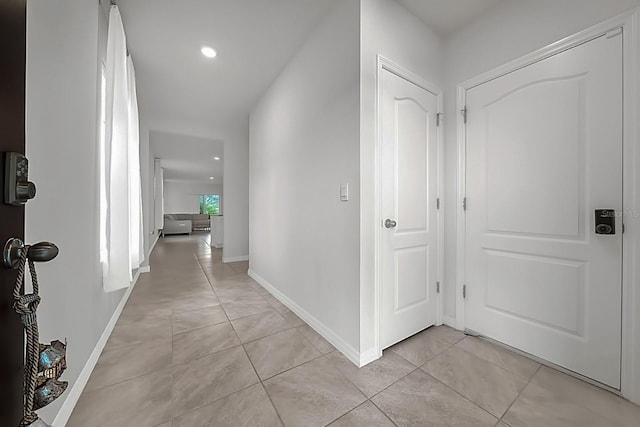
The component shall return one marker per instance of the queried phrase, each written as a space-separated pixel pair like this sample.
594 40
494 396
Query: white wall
62 77
184 197
503 34
236 192
304 135
390 30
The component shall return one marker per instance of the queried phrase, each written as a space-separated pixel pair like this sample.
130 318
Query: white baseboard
340 344
144 269
449 321
235 258
369 356
78 386
153 245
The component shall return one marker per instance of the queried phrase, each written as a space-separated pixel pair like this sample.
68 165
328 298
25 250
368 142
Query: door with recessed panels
409 160
544 154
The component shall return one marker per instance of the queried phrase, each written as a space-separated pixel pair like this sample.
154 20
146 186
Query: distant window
210 204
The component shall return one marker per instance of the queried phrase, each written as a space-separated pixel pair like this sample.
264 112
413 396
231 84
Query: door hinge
438 203
464 203
438 119
464 114
464 291
623 228
438 287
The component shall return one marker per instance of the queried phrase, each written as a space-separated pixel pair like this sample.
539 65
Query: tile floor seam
124 380
461 395
263 387
495 364
309 341
197 408
197 328
345 414
293 367
205 355
209 280
208 354
123 346
429 359
383 413
294 327
225 311
393 383
256 339
348 412
238 318
518 395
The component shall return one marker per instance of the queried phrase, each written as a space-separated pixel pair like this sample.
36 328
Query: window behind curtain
210 204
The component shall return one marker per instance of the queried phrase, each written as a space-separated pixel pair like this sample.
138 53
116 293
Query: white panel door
409 188
544 151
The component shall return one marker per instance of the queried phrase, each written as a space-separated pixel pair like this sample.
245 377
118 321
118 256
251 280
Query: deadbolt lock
605 221
17 187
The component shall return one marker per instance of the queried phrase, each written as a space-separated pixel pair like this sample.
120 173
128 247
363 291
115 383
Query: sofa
176 224
185 223
200 222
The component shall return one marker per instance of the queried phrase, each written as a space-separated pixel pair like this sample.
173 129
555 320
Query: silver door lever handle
389 223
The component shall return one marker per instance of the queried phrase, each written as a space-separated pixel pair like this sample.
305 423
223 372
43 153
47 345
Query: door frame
628 21
386 64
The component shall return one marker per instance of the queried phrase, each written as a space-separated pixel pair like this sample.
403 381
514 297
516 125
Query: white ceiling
187 158
448 16
255 40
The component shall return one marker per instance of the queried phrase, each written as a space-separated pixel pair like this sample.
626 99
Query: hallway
199 343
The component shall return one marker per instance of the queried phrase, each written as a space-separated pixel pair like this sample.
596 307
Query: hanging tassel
44 364
39 423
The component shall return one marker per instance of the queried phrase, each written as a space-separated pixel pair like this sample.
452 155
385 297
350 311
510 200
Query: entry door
12 122
409 191
544 151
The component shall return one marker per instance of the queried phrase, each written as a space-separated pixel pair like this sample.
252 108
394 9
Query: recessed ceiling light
216 158
208 51
211 177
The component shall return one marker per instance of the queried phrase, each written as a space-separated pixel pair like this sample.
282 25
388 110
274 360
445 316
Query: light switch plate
344 192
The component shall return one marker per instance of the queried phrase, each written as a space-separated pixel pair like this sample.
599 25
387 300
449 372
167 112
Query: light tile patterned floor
201 344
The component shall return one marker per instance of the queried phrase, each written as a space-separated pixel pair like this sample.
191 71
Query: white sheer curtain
121 239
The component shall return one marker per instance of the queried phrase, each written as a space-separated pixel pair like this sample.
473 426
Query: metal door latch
389 223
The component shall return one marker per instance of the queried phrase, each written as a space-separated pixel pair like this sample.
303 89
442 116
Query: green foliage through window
210 204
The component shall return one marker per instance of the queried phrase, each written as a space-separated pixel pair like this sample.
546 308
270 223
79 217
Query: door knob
389 223
40 252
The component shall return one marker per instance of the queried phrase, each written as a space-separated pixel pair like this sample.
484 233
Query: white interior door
409 191
544 150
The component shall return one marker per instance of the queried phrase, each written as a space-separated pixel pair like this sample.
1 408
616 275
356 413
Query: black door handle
39 252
